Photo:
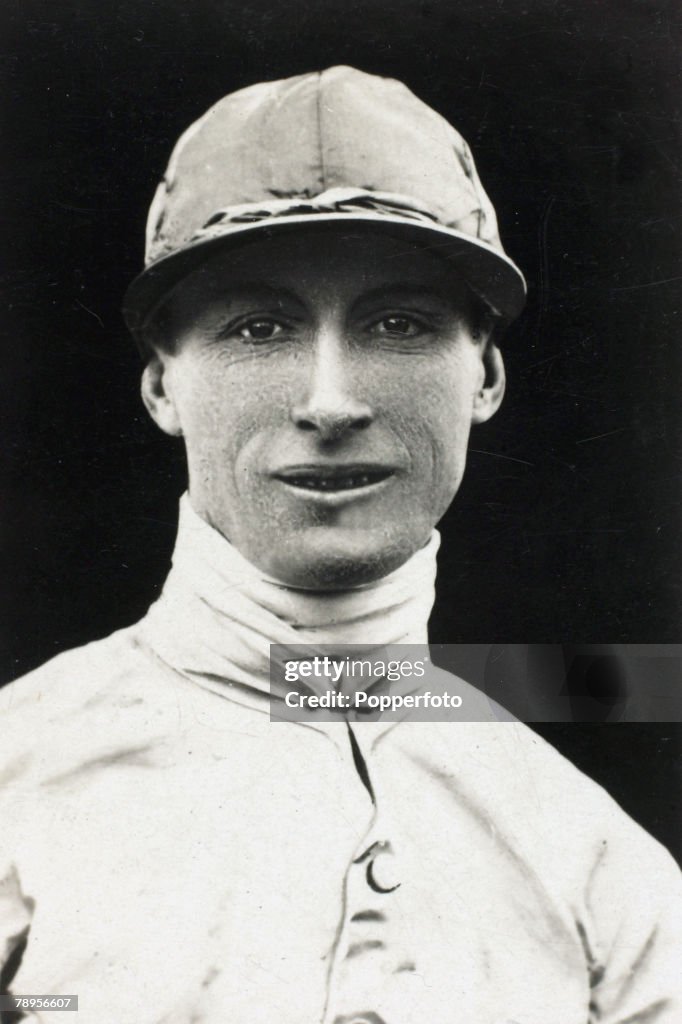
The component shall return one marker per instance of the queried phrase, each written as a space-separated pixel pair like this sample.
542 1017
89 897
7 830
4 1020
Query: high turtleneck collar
218 613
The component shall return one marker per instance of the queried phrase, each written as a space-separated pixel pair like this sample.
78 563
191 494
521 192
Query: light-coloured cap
330 146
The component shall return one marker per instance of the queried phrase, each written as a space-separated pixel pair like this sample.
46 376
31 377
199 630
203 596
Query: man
324 293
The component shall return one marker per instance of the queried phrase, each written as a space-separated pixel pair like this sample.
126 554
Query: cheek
229 415
433 417
439 448
221 405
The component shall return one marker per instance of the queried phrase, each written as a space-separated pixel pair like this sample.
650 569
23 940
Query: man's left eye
397 327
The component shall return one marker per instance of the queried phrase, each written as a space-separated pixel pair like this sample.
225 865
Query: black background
566 528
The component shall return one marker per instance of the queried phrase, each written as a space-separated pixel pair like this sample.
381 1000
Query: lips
334 478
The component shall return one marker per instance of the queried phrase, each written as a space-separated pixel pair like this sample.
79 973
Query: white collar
218 613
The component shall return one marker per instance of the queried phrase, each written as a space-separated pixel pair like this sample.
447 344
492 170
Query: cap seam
320 144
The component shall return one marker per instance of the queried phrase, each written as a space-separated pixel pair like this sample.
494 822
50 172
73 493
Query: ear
157 396
488 398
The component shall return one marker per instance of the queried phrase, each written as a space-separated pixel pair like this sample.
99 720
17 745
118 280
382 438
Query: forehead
319 265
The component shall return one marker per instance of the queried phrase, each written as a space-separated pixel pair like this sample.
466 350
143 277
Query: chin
322 558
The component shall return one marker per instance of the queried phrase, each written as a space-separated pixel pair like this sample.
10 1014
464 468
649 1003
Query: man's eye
397 327
260 329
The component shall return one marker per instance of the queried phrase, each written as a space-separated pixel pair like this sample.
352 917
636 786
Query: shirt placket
370 952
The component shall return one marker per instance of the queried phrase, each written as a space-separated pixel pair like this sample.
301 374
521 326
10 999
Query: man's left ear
488 398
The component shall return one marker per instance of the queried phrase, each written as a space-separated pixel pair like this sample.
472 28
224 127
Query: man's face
325 383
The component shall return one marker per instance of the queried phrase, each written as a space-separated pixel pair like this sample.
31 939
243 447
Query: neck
218 613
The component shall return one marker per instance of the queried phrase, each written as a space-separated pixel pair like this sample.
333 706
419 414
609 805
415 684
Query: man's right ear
158 398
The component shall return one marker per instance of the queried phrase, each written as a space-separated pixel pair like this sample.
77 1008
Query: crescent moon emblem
373 884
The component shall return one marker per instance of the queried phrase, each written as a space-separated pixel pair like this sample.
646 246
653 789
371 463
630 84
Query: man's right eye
259 329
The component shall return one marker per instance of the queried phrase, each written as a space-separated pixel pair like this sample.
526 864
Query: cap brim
489 272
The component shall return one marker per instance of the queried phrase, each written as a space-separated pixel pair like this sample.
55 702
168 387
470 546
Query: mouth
330 479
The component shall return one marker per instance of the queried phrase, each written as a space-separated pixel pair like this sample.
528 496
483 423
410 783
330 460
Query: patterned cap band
334 200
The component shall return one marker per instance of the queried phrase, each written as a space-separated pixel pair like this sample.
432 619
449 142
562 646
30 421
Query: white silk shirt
172 856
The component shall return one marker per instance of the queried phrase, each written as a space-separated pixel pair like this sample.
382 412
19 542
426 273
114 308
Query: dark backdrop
566 528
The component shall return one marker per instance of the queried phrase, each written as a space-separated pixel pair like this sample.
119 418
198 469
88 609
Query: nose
329 403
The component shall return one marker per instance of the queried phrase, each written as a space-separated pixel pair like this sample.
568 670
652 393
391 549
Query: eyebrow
234 288
401 288
397 290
